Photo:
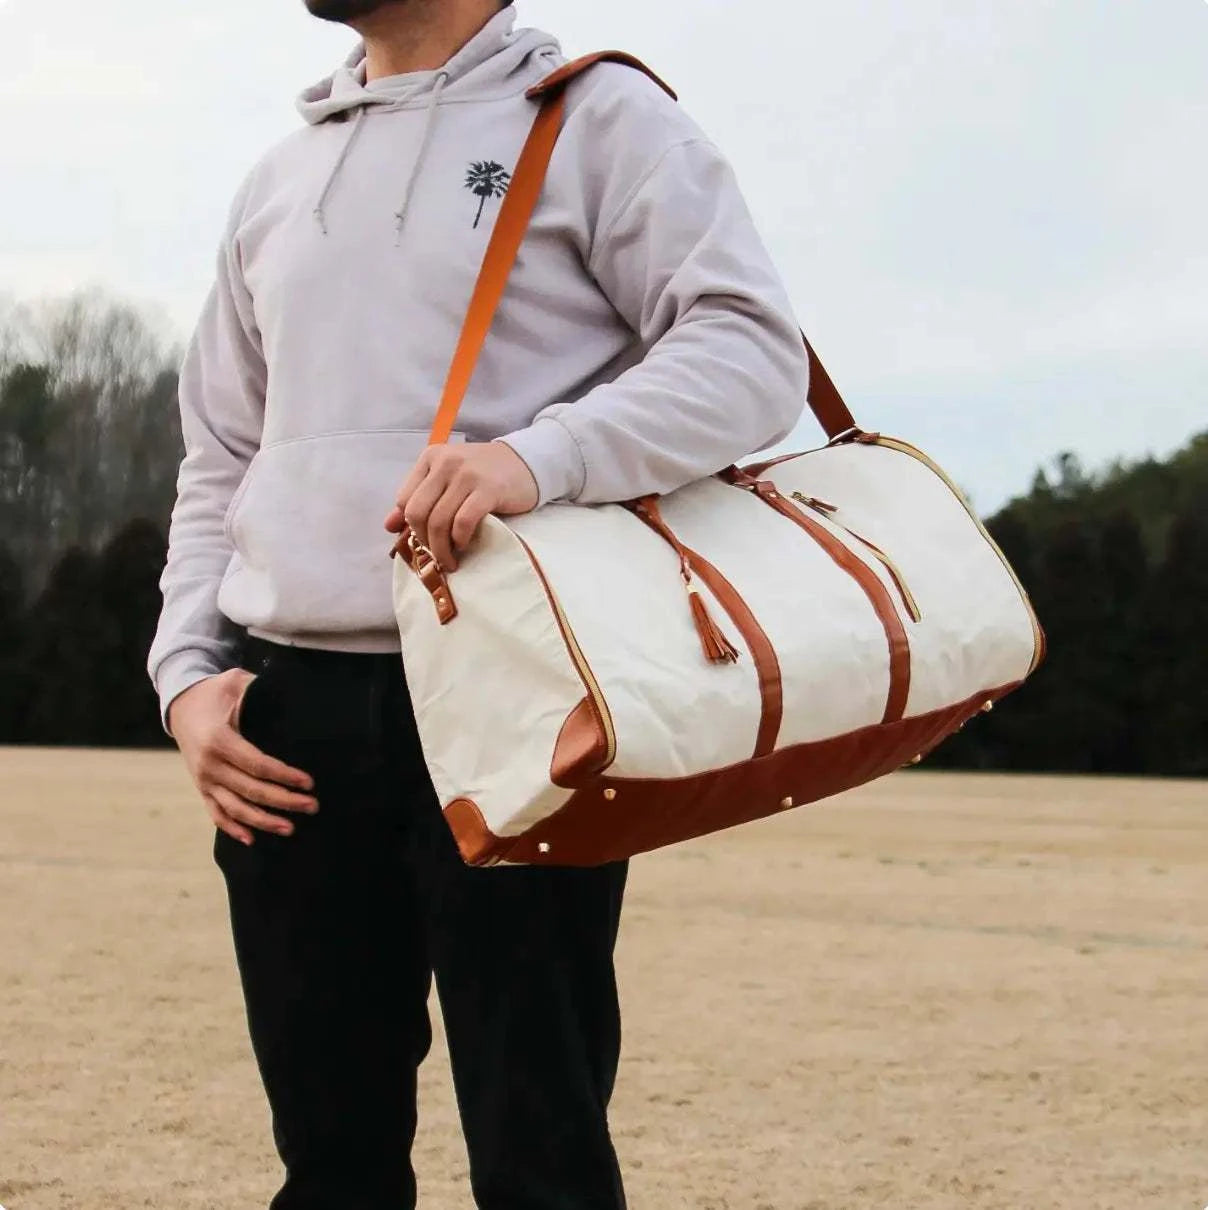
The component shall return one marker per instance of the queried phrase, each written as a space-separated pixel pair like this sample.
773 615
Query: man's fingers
419 472
420 505
418 502
224 823
235 750
396 518
469 517
245 813
440 523
264 793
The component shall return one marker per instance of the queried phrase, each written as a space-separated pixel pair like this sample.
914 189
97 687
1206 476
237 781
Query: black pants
340 929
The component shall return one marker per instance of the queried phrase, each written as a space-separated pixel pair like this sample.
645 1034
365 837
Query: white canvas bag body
599 681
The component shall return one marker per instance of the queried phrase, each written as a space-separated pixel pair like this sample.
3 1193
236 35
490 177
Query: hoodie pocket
311 554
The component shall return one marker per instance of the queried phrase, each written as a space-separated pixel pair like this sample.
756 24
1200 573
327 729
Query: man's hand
451 490
235 778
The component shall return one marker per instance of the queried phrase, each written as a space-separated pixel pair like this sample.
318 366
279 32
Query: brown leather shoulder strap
510 227
568 71
824 399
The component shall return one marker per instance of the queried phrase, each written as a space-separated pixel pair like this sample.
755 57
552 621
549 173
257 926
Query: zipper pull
814 502
895 574
718 649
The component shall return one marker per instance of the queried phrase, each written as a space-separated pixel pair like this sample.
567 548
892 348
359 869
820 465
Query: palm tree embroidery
486 179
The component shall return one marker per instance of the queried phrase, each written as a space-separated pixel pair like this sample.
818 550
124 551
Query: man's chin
344 11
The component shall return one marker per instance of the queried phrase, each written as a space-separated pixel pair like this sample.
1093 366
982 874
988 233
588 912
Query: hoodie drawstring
320 211
400 215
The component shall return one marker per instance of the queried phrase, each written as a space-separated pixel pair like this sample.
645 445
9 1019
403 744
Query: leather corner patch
478 845
582 747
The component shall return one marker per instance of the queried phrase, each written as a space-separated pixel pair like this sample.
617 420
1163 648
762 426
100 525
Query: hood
498 61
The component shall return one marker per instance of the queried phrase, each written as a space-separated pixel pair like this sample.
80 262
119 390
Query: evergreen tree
128 602
1118 644
1174 649
66 636
13 670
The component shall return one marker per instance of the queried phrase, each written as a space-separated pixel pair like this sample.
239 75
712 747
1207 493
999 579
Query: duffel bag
599 681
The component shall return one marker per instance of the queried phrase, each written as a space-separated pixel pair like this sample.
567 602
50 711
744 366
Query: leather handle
514 216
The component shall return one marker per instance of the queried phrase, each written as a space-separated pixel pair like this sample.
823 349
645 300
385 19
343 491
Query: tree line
1116 563
89 449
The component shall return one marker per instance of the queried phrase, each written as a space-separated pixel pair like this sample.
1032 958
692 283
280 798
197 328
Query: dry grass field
941 991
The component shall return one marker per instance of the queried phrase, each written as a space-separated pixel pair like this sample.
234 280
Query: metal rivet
987 707
786 804
543 847
610 795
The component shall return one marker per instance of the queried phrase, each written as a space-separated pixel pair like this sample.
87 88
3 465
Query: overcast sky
992 215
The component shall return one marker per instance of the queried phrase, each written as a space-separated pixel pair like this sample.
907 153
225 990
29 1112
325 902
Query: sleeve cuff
554 457
176 674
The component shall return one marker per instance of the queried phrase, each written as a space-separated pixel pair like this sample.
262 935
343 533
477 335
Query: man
644 341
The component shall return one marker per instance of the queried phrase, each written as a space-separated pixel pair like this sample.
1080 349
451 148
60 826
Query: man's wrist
174 678
553 458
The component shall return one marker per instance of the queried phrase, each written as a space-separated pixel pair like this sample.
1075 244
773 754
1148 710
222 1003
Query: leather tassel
718 648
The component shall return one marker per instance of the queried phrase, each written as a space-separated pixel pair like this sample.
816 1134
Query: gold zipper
878 595
895 574
905 447
580 660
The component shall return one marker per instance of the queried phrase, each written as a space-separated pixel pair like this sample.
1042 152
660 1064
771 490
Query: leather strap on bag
510 227
514 216
518 205
824 399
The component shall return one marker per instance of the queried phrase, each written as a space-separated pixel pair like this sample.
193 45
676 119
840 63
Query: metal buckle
847 435
418 550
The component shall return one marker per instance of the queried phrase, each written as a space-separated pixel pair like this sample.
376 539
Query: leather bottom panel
615 818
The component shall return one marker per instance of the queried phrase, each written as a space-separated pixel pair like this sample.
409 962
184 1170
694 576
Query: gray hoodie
644 340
